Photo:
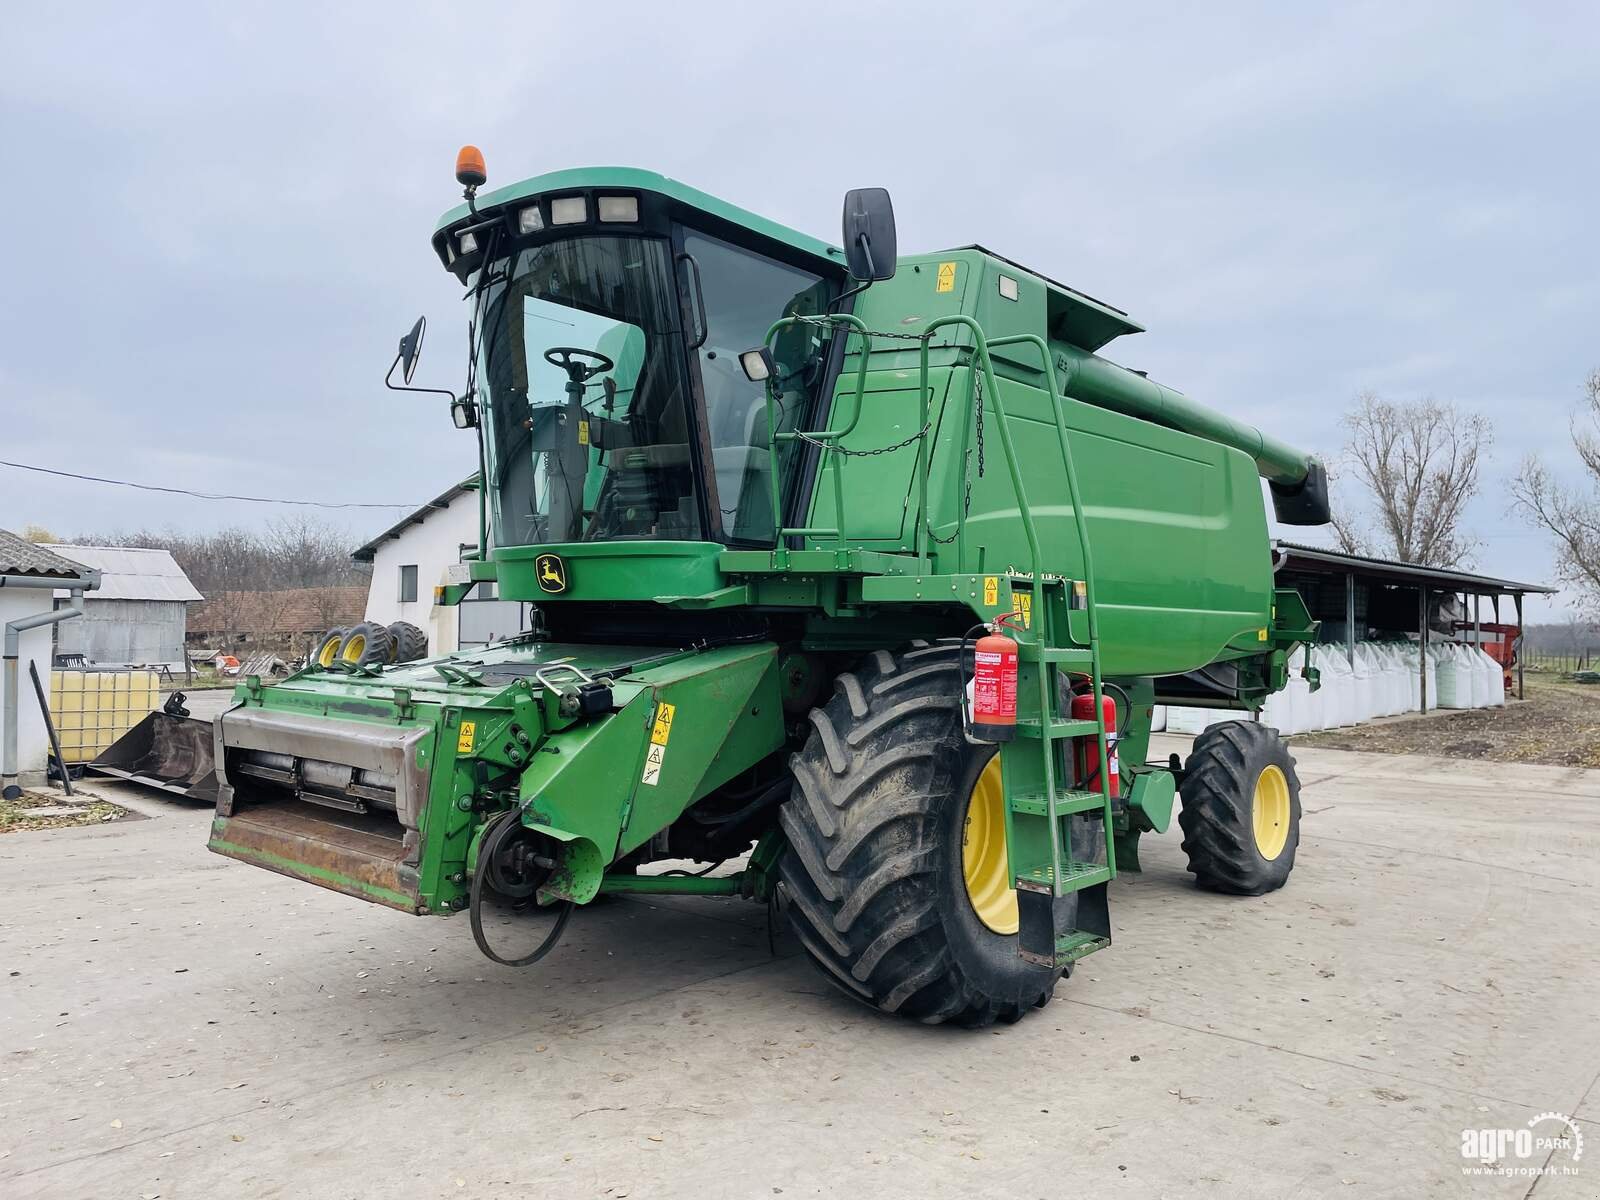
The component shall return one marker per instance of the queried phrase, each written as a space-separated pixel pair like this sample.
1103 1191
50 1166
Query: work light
569 210
618 208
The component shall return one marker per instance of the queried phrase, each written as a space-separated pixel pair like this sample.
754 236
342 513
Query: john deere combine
862 569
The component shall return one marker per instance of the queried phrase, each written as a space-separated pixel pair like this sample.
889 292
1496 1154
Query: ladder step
1034 804
1072 946
1028 727
1079 655
1074 878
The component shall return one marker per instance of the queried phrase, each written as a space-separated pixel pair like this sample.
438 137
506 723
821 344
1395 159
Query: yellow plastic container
92 709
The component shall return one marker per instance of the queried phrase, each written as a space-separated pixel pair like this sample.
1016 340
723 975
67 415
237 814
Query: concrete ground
175 1024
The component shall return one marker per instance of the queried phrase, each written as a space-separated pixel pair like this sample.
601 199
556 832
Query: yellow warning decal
947 277
656 752
991 590
663 726
1024 607
1261 635
464 742
583 433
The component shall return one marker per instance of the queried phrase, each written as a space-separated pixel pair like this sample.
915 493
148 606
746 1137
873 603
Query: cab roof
634 179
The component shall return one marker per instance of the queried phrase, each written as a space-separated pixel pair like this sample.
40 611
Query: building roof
18 556
286 610
1320 558
439 503
132 573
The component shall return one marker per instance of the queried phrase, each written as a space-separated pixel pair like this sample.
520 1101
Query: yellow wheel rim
329 653
354 647
1270 812
983 853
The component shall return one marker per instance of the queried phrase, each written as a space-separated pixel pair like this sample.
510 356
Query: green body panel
578 779
642 570
726 717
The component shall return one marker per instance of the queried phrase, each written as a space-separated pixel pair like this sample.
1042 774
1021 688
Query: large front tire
874 877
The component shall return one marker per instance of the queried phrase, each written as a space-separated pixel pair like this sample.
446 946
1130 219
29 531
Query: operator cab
607 324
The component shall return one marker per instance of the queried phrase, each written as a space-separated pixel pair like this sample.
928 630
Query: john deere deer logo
552 573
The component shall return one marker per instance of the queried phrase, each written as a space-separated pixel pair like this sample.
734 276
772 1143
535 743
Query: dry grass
88 810
1558 724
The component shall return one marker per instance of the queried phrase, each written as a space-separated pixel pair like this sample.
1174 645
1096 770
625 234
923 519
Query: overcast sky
218 222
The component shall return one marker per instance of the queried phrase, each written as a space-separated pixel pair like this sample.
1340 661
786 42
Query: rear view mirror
757 364
869 239
411 349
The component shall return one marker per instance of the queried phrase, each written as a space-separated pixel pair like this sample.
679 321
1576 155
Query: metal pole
50 727
1350 615
1477 624
1521 693
1422 641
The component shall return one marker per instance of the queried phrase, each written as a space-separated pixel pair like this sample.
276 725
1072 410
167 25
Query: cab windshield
604 450
605 418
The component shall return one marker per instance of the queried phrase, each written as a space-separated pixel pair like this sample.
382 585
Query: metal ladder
1042 865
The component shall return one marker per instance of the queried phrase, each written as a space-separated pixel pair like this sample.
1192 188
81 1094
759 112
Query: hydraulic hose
500 828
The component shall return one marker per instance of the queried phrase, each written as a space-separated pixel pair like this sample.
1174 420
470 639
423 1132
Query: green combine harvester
851 567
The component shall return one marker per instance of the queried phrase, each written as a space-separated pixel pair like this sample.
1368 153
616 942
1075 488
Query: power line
151 487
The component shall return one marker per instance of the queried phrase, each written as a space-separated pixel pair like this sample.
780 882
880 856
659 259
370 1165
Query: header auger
862 569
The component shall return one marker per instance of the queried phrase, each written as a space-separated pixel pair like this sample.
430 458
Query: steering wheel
568 358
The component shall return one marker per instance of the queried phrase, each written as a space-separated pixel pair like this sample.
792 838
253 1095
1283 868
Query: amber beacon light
470 171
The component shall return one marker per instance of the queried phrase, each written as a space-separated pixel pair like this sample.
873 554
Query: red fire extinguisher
994 685
1088 747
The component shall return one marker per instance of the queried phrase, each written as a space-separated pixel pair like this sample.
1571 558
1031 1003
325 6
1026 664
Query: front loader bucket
175 754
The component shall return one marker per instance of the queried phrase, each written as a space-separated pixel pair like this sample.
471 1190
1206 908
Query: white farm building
409 560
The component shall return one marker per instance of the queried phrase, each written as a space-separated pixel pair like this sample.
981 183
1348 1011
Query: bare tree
287 554
1570 515
1418 465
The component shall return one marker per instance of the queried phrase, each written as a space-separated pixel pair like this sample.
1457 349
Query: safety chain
921 433
868 333
841 450
900 445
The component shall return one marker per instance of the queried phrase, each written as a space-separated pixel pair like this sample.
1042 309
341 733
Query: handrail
1058 408
1044 634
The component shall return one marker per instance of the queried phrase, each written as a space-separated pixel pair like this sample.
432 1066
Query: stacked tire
370 644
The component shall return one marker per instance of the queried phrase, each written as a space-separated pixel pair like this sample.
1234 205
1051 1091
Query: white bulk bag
1182 719
1494 681
1399 680
1385 678
1158 718
1496 684
1278 711
1361 708
1454 680
1480 685
1330 660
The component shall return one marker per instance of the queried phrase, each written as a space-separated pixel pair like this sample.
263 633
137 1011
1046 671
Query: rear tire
410 642
1241 809
873 873
366 645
